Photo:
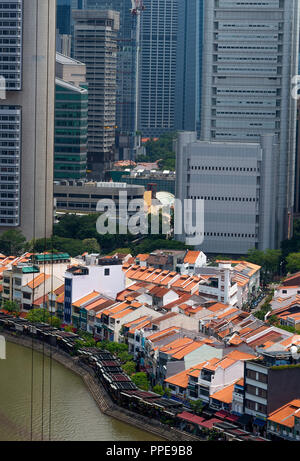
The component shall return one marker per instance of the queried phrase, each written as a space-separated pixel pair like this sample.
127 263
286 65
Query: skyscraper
71 119
64 26
159 27
250 54
250 57
27 62
64 16
95 44
188 88
126 71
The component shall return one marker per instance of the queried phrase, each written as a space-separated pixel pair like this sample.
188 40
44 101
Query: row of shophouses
177 326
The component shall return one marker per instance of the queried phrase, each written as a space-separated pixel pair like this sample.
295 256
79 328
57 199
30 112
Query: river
25 415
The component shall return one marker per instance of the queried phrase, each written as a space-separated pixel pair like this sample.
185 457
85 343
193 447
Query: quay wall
101 397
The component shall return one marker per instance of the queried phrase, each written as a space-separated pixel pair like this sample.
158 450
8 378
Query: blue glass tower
189 65
63 16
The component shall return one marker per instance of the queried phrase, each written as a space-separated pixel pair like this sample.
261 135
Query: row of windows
232 235
219 168
226 199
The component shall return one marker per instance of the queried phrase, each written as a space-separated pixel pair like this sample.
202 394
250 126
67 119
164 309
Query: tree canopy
41 315
12 242
160 150
293 262
141 381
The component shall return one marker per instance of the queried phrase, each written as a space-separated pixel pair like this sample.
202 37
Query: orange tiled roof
238 355
37 281
139 326
122 314
86 298
229 312
161 334
182 379
285 415
61 298
136 321
117 308
191 257
95 304
60 290
217 307
224 395
235 341
176 345
143 257
187 350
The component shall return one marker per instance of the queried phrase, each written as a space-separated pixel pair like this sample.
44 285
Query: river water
25 409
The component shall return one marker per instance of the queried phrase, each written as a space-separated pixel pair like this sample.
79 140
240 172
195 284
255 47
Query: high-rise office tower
64 26
95 44
63 16
126 64
71 119
250 55
27 62
159 27
188 88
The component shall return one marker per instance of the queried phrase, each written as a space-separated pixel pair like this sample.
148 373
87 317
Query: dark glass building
71 122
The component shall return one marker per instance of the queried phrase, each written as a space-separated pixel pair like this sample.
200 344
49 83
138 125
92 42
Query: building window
106 272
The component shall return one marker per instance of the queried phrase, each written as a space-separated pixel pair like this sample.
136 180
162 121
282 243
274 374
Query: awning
221 414
190 417
259 422
209 423
232 418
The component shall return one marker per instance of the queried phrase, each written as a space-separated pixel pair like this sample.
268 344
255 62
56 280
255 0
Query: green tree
41 315
91 245
168 392
158 389
161 151
197 406
269 260
12 242
12 307
273 320
141 381
293 262
129 368
124 356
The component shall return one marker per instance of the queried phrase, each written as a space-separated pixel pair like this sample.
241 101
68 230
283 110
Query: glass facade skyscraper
159 29
71 123
189 65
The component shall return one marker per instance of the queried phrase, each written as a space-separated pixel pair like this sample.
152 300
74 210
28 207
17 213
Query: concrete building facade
249 59
238 184
126 65
95 44
27 116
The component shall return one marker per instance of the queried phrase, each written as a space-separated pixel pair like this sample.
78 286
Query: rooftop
285 415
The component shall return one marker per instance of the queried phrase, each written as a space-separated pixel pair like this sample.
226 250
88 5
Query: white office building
238 183
27 70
